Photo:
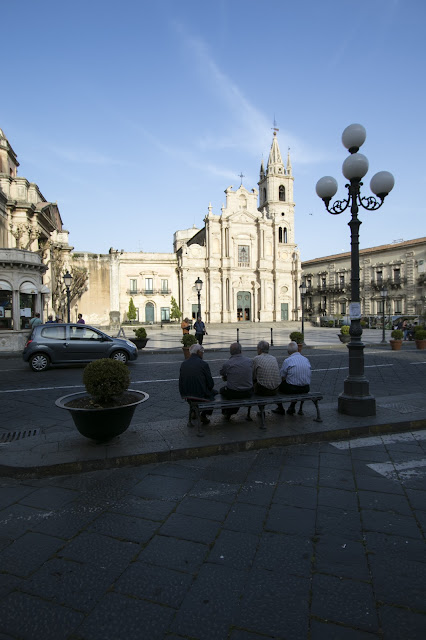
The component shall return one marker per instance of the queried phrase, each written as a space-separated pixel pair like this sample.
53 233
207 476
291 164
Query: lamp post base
360 406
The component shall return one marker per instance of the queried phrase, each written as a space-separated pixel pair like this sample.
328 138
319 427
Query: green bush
330 323
420 334
344 329
106 378
297 336
397 334
140 333
188 339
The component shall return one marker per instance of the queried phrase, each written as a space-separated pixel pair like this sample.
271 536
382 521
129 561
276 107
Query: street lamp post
384 294
355 399
302 290
199 286
67 282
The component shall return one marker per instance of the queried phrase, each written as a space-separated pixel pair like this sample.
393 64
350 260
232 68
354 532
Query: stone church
246 257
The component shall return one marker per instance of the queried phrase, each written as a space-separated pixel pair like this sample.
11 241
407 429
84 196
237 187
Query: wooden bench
198 405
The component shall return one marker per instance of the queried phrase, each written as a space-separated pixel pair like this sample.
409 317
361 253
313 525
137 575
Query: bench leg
318 418
262 416
300 412
248 416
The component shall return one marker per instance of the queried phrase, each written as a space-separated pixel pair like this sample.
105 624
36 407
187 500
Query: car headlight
130 344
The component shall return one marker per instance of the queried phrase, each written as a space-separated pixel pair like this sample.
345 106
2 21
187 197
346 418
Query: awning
5 286
44 289
28 287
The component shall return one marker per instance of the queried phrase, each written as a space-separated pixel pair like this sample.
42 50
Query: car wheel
121 356
39 362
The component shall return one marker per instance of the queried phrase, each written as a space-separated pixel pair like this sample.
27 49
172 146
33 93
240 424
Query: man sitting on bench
237 373
296 377
195 378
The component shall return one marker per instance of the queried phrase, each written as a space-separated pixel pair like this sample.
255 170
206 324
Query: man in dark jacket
195 378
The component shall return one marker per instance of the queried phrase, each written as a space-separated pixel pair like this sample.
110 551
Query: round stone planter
421 344
395 344
102 424
140 343
344 337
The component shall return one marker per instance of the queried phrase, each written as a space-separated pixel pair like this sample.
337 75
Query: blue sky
134 115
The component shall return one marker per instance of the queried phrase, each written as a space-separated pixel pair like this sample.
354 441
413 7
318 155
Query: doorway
149 312
244 306
284 310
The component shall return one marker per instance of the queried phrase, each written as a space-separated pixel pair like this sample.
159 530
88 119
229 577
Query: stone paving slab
64 450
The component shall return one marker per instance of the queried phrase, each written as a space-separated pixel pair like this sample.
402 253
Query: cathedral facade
245 256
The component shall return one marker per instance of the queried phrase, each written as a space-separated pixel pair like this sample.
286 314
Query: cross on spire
275 128
241 175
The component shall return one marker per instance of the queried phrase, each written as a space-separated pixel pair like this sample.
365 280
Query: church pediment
242 217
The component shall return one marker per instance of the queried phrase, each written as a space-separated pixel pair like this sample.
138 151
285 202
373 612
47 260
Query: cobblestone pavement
321 541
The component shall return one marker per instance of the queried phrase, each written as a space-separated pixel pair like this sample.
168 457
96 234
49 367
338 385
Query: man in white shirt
296 376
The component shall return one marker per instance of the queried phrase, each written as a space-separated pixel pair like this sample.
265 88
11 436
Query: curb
188 453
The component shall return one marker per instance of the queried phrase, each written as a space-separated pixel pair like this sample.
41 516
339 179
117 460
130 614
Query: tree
175 313
59 291
131 313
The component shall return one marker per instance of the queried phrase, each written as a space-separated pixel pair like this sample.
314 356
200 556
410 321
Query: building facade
246 257
31 235
398 268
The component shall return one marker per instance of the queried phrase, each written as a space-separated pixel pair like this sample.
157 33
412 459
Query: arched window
264 195
282 193
280 234
285 235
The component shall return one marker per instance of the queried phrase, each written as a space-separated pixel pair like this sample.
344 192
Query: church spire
275 164
262 170
289 167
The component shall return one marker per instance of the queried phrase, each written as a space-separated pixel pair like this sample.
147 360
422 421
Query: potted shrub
187 340
297 336
140 338
344 334
106 408
396 343
420 338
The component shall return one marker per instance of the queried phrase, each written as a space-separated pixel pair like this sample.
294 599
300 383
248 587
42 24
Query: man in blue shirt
296 376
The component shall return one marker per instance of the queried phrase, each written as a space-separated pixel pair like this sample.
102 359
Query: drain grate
13 436
400 407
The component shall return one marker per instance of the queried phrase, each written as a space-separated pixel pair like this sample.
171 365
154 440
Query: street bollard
272 339
238 335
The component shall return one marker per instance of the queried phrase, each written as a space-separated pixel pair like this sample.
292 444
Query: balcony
333 288
133 292
152 292
389 283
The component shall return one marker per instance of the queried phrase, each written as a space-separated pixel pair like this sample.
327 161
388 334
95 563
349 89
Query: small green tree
175 313
131 313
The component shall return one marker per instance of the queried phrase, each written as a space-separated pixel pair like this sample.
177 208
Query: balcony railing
152 292
333 288
390 283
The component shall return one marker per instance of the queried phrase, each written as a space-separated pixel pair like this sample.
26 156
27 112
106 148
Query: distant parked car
70 343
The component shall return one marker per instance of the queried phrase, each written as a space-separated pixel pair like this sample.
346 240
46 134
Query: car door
85 343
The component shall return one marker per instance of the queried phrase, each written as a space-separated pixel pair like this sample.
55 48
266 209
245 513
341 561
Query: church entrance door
284 310
149 312
244 306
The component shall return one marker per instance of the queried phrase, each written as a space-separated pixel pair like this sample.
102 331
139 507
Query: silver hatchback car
70 343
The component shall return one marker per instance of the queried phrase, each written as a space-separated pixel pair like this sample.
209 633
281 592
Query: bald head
235 348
